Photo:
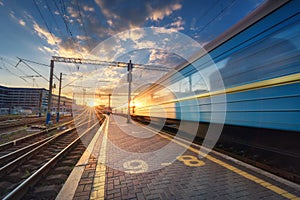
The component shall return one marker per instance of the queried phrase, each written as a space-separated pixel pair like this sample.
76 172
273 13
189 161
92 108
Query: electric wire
15 66
51 13
5 67
83 26
31 61
43 19
33 69
216 17
62 13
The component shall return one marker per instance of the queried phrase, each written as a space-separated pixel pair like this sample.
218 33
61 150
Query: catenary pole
58 101
129 79
48 117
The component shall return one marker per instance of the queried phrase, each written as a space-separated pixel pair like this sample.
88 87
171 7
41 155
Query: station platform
129 161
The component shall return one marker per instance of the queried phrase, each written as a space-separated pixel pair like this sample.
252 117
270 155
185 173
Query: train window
274 56
200 81
291 34
163 94
180 86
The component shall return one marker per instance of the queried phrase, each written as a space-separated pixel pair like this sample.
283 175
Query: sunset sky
36 30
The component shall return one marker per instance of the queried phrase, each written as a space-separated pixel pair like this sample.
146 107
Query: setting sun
91 103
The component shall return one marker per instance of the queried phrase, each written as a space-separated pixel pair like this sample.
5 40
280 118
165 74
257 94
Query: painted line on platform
98 188
246 175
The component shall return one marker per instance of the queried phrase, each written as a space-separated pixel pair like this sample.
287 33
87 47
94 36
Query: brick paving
182 178
86 183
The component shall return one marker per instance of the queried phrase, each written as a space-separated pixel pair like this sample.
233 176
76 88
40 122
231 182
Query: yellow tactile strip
259 181
98 188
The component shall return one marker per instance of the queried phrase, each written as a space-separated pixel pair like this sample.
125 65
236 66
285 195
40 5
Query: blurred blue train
258 61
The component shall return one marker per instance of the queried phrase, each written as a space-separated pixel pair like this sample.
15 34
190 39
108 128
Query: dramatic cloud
158 56
48 50
12 15
193 24
109 22
177 25
82 37
73 13
94 27
133 34
60 46
88 9
51 39
160 13
70 48
134 13
22 22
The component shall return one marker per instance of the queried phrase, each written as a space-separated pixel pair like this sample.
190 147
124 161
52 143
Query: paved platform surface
127 161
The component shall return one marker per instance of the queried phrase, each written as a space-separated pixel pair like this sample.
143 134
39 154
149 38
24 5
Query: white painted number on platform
190 161
135 166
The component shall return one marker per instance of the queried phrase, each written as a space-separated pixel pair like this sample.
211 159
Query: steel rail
22 139
28 137
20 122
21 189
18 161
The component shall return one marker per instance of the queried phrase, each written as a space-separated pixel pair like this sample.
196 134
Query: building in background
30 101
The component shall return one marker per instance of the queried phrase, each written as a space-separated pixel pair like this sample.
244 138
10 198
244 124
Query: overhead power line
5 67
83 26
69 84
32 68
15 66
217 16
222 11
62 12
108 63
52 15
43 19
33 79
31 61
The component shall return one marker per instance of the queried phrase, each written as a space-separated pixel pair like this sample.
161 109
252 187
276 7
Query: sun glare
91 103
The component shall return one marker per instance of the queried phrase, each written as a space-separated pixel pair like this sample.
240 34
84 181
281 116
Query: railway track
19 143
13 134
14 149
25 170
12 124
12 117
20 122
